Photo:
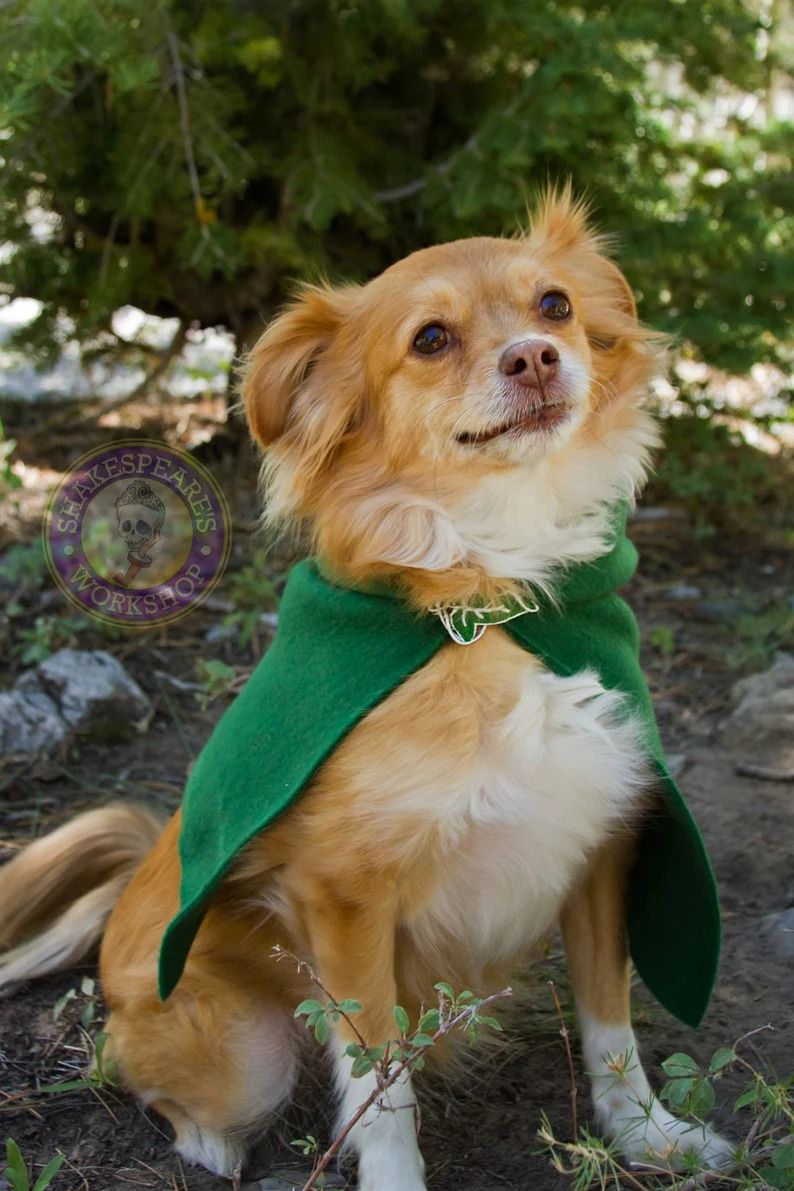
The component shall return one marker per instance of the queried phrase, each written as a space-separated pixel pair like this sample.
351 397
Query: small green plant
24 566
309 1146
406 1053
8 477
217 680
764 1157
85 997
16 1172
759 635
717 475
662 638
47 634
251 593
101 1072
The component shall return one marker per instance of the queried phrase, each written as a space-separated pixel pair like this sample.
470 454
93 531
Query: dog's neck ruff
340 651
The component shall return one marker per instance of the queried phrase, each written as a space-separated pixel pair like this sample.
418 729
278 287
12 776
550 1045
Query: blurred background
170 168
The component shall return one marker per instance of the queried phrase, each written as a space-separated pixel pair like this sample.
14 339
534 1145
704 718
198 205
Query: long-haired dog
466 421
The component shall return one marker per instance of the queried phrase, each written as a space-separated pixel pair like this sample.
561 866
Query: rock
292 1180
220 632
90 688
763 723
676 764
652 514
74 691
717 611
683 591
30 728
779 677
780 929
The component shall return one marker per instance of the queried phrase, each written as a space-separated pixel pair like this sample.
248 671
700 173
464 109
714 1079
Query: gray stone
763 723
683 591
74 691
287 1180
89 687
780 929
719 610
676 764
30 728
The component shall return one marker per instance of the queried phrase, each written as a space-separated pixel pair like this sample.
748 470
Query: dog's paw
391 1180
646 1133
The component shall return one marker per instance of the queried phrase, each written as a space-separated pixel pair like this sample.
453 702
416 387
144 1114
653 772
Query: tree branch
164 359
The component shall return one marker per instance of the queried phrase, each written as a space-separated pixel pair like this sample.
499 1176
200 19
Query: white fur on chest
551 780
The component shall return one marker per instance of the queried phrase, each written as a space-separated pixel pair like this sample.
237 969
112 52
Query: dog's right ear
280 363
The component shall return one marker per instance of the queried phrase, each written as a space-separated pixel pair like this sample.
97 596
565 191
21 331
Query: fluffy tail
57 894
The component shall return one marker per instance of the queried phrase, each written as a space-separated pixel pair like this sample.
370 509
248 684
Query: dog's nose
530 362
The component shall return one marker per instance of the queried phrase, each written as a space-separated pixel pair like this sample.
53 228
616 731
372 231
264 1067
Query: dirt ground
482 1135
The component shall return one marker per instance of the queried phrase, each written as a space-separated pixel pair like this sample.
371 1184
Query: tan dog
466 420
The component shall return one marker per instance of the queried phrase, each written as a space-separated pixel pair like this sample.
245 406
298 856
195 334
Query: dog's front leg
353 950
593 925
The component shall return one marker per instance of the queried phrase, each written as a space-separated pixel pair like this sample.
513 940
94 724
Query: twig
387 1082
763 773
572 1074
281 953
395 194
184 121
190 157
164 359
706 1176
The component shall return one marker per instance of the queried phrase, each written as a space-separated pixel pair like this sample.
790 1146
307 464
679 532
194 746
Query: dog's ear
280 364
561 225
560 220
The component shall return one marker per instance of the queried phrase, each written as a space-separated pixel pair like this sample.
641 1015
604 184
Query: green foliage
48 634
720 478
216 679
392 1059
16 1172
309 1146
251 592
24 567
455 1011
101 1073
193 160
8 478
758 636
662 638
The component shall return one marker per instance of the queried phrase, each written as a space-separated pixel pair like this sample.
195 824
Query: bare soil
480 1135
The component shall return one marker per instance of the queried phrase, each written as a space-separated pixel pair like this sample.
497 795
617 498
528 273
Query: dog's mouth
544 418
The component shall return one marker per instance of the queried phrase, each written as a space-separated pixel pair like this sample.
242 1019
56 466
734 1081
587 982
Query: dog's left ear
278 372
560 226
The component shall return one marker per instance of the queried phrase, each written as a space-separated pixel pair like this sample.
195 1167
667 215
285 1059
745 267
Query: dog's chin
524 439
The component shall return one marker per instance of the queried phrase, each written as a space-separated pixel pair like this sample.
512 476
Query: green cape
337 653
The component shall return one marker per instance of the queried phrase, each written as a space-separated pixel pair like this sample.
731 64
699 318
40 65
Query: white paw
385 1138
647 1133
390 1180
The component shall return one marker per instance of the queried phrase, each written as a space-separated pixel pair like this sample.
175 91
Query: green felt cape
337 653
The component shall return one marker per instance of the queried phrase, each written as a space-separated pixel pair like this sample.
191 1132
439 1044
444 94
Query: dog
462 424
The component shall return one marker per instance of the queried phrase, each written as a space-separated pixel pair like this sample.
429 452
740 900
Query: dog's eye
431 339
555 305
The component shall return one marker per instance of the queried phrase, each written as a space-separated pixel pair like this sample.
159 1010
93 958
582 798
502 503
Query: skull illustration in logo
139 518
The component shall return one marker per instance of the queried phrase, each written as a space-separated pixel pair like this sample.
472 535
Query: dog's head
467 368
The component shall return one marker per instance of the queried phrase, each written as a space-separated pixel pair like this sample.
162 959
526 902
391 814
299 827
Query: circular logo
137 533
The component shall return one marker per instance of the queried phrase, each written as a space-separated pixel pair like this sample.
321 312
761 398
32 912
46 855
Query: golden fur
482 800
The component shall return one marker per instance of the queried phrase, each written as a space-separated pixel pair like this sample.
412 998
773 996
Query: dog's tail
56 895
